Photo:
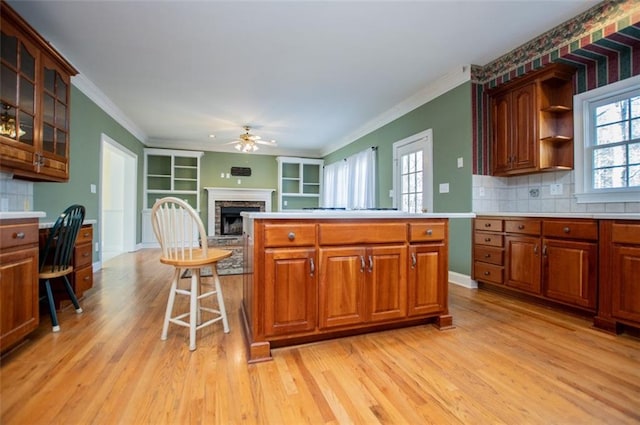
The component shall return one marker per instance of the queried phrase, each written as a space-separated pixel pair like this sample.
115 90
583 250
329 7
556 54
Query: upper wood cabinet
532 122
34 103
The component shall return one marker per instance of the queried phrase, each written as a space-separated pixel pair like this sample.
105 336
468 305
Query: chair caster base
55 329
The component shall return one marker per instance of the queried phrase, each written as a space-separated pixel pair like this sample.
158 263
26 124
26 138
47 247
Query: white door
117 199
413 173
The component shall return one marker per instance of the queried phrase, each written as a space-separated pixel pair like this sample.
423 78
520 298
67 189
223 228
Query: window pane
634 153
634 176
27 96
9 46
635 107
412 203
8 85
26 128
405 202
412 163
419 161
612 133
405 183
635 129
418 202
607 157
609 178
613 112
27 63
405 164
419 182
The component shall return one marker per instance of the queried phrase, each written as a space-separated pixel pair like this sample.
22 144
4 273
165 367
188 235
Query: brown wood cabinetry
82 277
552 259
532 122
35 103
619 291
315 279
19 312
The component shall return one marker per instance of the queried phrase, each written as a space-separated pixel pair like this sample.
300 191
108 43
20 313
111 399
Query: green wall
449 116
88 123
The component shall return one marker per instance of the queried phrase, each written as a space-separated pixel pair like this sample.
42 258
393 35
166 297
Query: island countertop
315 214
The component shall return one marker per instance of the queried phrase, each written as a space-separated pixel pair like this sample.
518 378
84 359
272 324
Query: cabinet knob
487 224
19 235
86 278
520 226
291 236
487 255
429 232
566 229
487 273
487 239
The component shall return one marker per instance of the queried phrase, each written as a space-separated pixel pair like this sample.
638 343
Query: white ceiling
313 75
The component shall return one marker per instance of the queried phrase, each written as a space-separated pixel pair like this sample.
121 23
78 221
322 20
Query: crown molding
92 91
442 85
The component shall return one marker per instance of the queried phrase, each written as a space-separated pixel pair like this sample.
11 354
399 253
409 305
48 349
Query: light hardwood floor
506 362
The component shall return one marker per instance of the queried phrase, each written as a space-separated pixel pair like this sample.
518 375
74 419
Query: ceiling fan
248 142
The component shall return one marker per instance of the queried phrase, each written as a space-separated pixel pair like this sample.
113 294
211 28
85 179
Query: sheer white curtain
351 183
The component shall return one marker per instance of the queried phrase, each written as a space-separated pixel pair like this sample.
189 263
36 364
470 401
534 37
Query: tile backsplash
546 192
15 195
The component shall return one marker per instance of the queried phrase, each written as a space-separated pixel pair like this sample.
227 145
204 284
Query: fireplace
229 202
230 218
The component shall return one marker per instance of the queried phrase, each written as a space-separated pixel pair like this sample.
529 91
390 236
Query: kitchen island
314 275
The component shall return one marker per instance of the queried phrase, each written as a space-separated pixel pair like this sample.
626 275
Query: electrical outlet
555 189
97 247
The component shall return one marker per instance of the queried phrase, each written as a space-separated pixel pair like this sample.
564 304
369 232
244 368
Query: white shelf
297 177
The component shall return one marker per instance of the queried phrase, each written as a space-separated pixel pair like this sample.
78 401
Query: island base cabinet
311 279
290 291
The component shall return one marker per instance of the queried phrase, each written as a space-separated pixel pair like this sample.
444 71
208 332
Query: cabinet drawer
83 280
625 233
527 227
82 256
485 238
489 254
488 272
488 224
353 233
18 235
85 235
570 229
419 232
289 235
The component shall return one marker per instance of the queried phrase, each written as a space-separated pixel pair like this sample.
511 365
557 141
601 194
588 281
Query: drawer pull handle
413 260
291 236
86 278
487 239
520 226
312 266
362 264
487 224
566 229
19 235
487 273
487 255
370 264
429 232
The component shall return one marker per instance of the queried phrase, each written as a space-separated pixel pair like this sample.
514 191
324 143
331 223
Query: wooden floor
506 362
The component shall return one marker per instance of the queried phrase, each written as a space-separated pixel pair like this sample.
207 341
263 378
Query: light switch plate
444 187
460 162
93 188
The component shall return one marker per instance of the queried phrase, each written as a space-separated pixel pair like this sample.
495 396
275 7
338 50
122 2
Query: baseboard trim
462 280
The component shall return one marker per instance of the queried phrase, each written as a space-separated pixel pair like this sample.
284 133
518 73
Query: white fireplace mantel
215 194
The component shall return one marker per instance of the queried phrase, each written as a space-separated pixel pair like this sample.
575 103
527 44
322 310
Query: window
608 159
413 173
351 183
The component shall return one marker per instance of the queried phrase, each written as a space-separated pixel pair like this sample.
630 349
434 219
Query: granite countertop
348 214
597 216
9 215
49 225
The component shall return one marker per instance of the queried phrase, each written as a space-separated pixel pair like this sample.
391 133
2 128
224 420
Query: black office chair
55 258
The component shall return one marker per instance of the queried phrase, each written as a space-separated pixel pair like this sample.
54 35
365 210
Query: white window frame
583 139
425 140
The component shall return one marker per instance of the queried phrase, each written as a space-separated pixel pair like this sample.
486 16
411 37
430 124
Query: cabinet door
18 295
55 121
290 291
525 134
625 301
570 271
341 293
523 263
501 133
427 270
386 284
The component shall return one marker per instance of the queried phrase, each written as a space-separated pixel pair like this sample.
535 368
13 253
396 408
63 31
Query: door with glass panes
413 173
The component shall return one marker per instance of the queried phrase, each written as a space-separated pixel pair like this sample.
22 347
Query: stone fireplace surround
218 197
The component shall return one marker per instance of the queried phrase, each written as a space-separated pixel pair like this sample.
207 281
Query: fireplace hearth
231 220
231 202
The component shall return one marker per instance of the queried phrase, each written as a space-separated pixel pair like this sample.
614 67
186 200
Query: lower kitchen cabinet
619 286
19 309
523 263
